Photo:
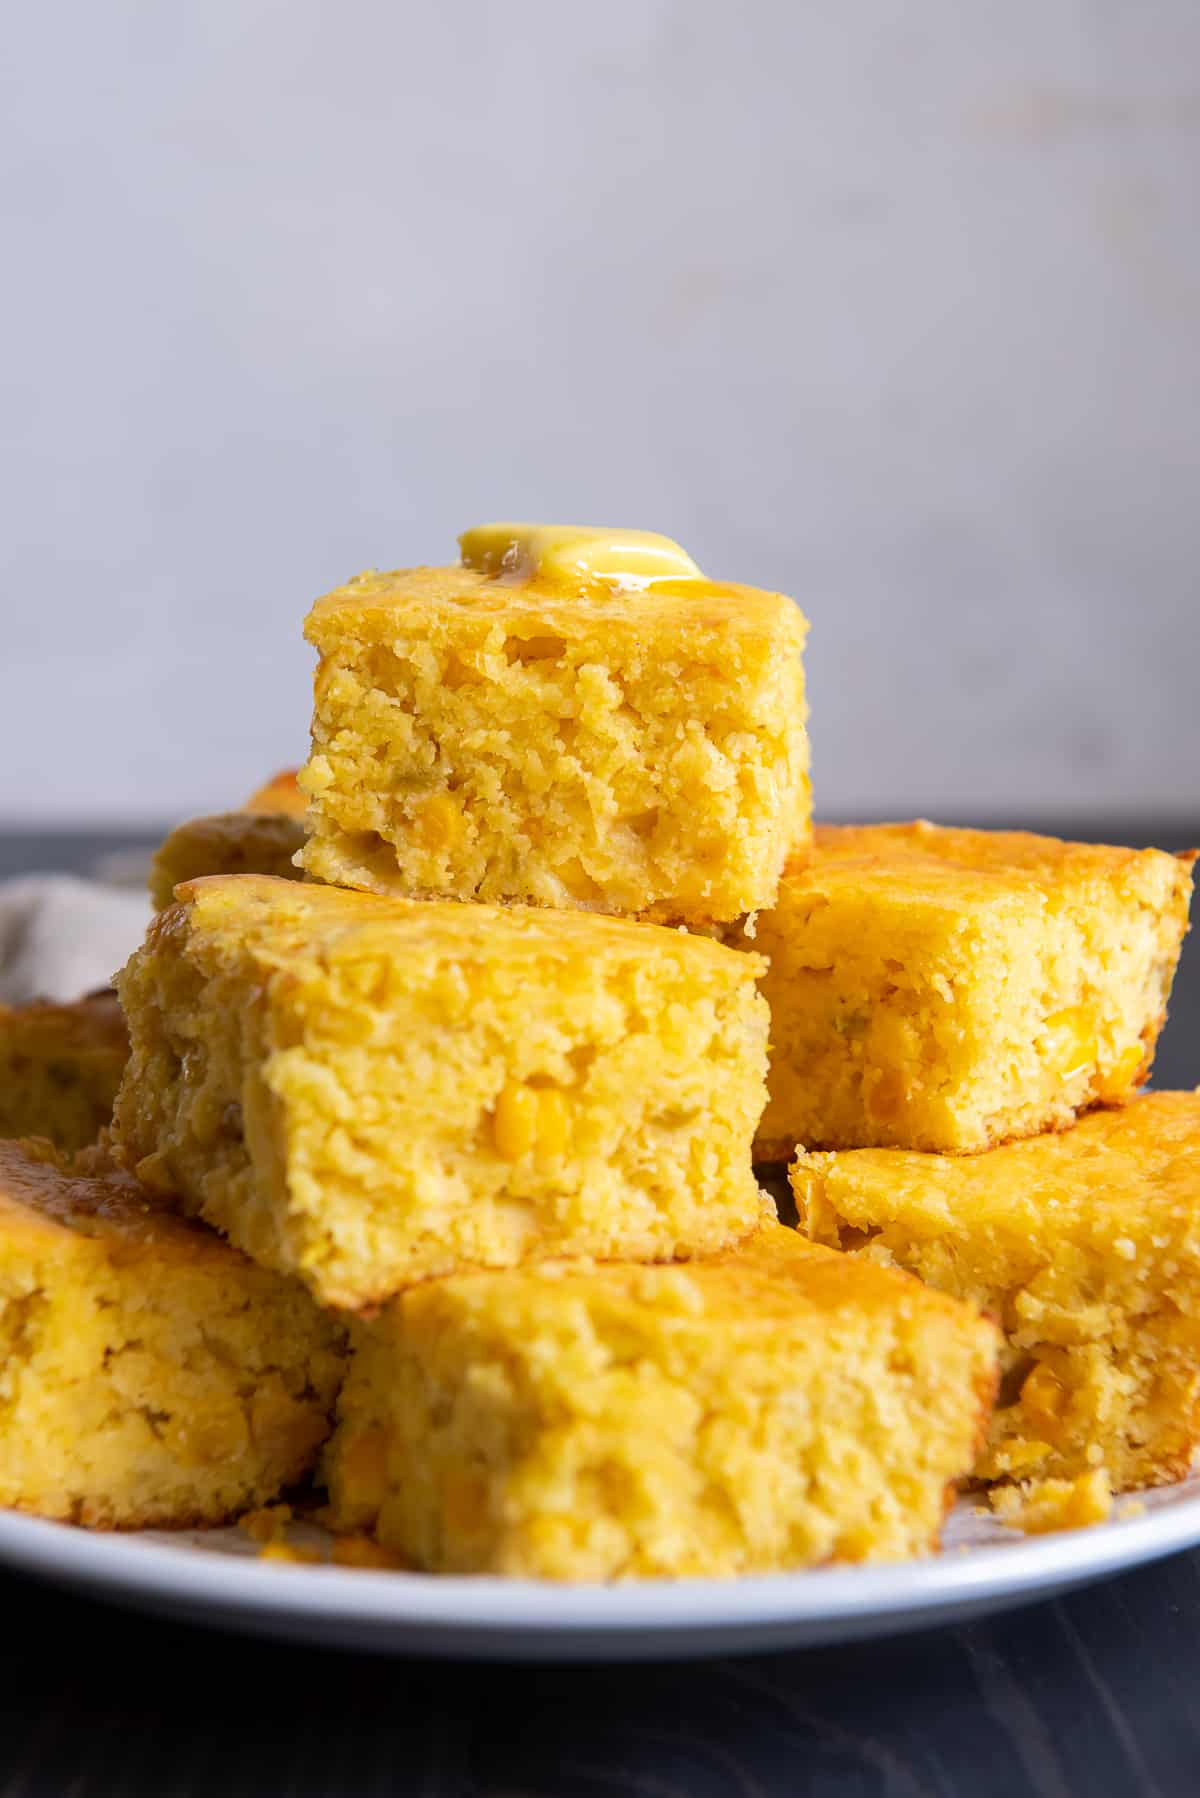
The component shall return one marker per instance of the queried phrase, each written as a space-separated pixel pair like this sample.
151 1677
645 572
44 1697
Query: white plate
214 1577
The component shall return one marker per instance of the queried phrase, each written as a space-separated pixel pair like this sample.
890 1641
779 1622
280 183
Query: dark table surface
1093 1694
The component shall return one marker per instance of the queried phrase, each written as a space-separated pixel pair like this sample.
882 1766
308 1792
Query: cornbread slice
773 1408
949 989
150 1374
369 1091
500 735
1085 1245
60 1067
263 837
245 842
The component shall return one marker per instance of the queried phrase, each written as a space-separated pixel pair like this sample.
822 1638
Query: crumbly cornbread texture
150 1375
368 1091
949 989
245 842
1039 1507
1085 1245
776 1407
60 1067
501 739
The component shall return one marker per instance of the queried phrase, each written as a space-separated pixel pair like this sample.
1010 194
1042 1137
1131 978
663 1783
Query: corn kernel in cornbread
949 989
1085 1245
246 842
60 1067
150 1374
368 1091
775 1407
544 731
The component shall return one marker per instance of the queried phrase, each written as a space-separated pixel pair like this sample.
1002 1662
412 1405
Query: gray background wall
894 304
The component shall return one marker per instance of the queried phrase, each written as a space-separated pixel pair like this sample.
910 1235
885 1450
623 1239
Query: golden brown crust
227 843
44 1192
99 1514
60 1066
95 1021
455 591
952 990
916 849
280 794
775 1152
311 926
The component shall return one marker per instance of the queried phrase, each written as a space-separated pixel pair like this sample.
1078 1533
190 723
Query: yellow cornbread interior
370 1091
60 1067
947 989
149 1374
500 738
777 1407
227 843
1085 1246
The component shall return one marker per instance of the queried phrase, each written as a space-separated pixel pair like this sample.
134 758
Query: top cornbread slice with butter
946 989
541 732
1085 1245
773 1407
368 1091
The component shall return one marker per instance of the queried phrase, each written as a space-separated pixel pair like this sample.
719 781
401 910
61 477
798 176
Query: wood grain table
1091 1695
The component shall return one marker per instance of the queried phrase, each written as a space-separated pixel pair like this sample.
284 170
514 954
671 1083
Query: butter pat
575 553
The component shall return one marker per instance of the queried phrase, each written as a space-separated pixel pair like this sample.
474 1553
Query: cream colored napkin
61 937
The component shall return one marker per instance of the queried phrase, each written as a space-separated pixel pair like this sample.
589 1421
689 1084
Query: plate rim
134 1567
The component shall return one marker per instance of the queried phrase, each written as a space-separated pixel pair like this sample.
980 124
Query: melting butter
575 554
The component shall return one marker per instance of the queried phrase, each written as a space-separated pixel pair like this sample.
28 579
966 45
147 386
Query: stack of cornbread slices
945 1005
467 1067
